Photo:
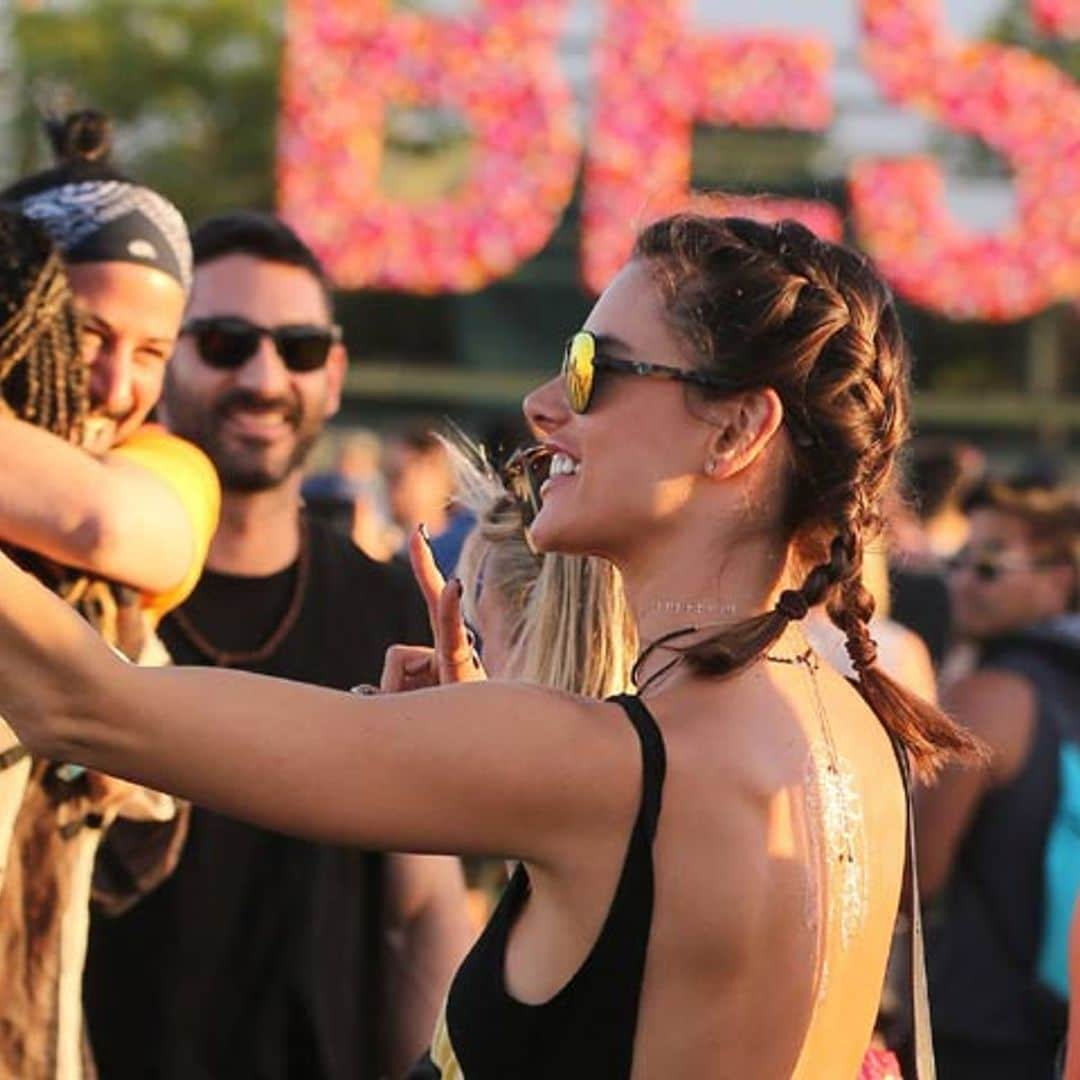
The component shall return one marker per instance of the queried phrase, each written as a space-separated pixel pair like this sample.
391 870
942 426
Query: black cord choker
807 657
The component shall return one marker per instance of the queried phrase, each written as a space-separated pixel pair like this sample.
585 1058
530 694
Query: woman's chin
552 535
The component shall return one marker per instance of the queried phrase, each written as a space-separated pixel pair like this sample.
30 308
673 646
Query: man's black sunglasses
227 342
988 568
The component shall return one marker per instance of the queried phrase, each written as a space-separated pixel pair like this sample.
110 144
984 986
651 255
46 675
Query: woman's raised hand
453 659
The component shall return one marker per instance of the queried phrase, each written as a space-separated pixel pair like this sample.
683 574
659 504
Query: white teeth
563 465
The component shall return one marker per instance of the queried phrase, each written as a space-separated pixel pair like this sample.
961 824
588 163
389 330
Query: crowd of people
692 670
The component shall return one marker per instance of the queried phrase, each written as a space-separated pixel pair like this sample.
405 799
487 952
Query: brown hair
772 305
43 378
1052 517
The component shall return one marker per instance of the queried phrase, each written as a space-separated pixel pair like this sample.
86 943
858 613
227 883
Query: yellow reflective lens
578 370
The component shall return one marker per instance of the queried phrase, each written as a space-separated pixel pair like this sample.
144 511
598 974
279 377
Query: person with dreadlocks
53 816
39 334
143 510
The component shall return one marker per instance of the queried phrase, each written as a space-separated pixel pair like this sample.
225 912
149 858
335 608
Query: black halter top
587 1029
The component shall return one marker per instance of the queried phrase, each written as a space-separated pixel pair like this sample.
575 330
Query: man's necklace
224 658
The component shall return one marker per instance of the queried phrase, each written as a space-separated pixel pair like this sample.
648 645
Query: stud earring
710 467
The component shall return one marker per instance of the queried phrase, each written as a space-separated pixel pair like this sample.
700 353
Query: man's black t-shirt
259 957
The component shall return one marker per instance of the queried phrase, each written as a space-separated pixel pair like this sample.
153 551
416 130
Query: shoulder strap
654 759
919 1003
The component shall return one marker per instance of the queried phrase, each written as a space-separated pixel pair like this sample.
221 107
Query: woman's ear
743 426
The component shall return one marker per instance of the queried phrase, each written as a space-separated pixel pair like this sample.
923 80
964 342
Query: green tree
191 86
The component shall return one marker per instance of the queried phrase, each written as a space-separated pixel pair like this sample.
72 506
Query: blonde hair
568 623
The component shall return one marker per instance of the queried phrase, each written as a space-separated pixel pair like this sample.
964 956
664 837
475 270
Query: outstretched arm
491 768
106 515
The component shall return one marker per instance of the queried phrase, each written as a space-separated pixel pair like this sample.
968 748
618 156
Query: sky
864 123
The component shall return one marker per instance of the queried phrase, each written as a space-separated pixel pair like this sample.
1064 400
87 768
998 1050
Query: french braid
775 306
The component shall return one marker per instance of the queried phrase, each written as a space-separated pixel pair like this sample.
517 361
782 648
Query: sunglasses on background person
989 567
227 342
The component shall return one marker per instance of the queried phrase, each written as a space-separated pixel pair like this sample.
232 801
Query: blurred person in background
54 816
997 842
928 524
420 491
557 620
267 955
353 496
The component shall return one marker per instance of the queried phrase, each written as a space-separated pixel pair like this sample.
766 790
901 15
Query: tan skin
506 769
97 511
997 706
259 532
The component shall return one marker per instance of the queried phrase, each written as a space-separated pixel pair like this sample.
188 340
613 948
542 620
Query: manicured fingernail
424 534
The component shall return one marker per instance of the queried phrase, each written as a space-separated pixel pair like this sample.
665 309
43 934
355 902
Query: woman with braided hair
710 870
54 815
142 508
41 381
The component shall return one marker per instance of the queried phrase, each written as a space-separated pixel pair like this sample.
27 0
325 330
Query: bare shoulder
999 707
990 700
524 764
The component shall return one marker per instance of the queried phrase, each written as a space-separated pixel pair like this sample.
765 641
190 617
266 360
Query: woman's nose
546 407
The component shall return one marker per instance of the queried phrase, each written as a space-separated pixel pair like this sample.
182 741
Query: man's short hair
937 476
419 438
260 235
1051 515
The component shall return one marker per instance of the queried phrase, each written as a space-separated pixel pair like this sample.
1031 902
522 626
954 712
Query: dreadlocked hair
774 306
42 377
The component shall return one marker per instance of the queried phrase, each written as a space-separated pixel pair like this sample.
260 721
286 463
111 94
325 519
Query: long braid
42 377
776 307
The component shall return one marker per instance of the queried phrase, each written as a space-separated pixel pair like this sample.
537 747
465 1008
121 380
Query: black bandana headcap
114 221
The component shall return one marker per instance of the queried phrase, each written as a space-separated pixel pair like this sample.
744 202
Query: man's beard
242 470
239 476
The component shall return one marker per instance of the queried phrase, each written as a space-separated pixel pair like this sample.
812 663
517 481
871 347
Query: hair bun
80 137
